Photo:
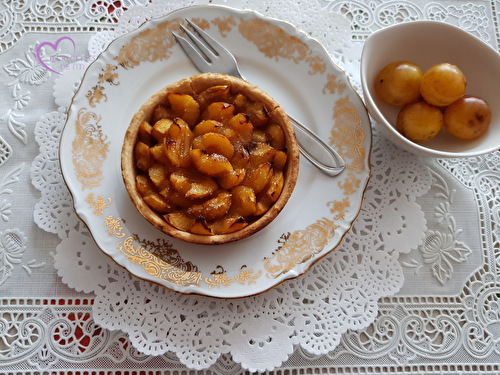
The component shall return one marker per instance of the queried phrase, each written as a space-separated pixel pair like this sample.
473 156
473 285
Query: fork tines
204 43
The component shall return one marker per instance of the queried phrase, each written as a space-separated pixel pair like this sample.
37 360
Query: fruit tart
210 159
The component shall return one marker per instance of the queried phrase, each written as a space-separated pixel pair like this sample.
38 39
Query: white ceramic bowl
427 43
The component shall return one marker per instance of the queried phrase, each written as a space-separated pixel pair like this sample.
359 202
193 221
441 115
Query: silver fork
210 56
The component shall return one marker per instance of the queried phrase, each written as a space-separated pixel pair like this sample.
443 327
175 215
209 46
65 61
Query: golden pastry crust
245 98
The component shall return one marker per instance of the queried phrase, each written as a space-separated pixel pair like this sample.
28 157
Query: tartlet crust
193 86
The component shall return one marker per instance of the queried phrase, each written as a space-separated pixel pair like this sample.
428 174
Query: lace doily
344 311
337 294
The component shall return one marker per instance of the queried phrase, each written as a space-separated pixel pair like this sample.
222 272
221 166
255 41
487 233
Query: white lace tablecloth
413 288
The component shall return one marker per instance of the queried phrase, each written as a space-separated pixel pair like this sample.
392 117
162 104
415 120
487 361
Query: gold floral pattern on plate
95 95
312 223
89 149
303 245
152 44
348 135
334 85
98 204
224 24
176 272
300 247
114 227
275 42
220 278
158 258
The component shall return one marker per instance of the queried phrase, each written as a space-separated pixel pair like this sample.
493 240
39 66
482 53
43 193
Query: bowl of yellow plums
433 89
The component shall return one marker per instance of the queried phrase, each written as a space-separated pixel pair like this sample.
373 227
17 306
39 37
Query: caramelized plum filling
210 163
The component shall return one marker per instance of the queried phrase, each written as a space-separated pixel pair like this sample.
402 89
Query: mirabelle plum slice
243 201
263 205
167 190
275 136
192 184
207 126
229 134
270 194
232 179
214 208
214 143
178 143
261 153
144 132
162 112
240 101
259 136
158 174
197 143
219 93
178 199
236 225
143 184
229 225
160 129
218 111
185 107
241 157
158 203
180 220
259 114
214 165
212 126
142 156
150 196
275 186
280 159
200 226
243 128
259 178
158 153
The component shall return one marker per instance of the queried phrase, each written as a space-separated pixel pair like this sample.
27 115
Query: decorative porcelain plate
294 69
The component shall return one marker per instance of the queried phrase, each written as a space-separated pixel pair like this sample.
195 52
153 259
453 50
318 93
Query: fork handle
325 158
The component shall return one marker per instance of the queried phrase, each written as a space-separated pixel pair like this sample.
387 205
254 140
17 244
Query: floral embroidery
12 247
441 249
30 71
5 151
10 178
5 210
